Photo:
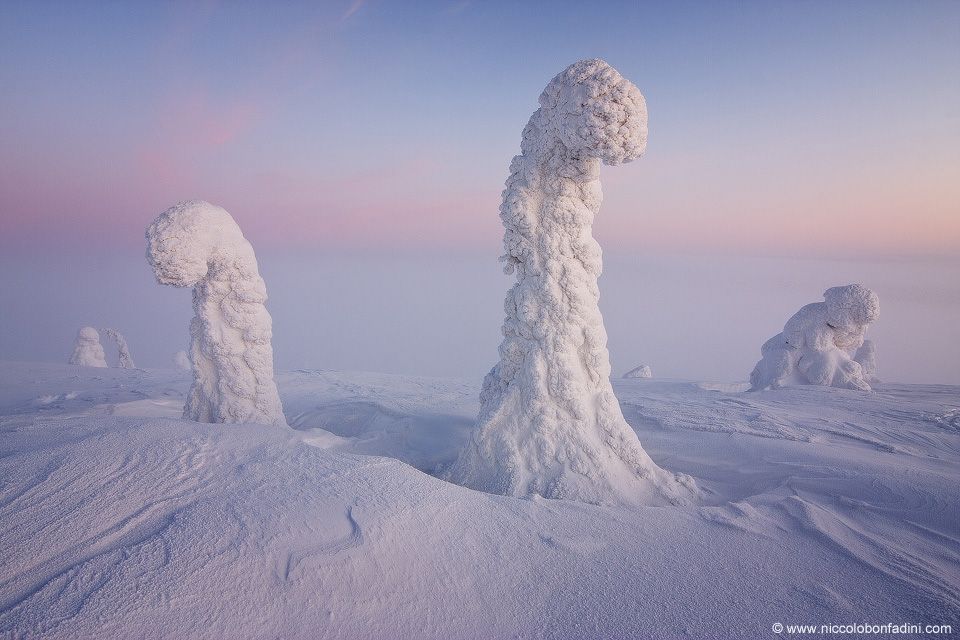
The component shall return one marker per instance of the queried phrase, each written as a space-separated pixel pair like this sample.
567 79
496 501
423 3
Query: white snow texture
549 423
125 360
642 371
87 350
819 344
197 244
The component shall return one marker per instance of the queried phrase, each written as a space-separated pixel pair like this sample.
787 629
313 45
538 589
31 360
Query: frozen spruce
549 423
124 359
87 350
181 361
820 342
197 244
643 371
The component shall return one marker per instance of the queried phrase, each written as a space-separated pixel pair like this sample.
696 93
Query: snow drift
197 244
125 360
819 343
642 371
549 423
87 350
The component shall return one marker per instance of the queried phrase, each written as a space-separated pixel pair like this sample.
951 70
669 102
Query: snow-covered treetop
851 305
593 110
186 238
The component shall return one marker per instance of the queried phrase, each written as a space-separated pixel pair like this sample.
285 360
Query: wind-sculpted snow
196 244
549 423
818 505
124 358
819 343
87 350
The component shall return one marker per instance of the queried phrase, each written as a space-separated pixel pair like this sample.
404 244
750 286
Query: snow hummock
197 244
549 423
124 358
642 371
181 360
819 343
87 350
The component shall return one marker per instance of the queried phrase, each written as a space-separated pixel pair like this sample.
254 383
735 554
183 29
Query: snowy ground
117 519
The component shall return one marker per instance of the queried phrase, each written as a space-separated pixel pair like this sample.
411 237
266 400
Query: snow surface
641 371
549 423
120 520
197 244
819 343
87 350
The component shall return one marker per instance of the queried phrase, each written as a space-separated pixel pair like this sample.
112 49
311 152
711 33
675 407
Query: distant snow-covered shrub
642 371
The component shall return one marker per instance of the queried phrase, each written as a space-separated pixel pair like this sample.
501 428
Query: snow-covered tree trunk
196 244
549 422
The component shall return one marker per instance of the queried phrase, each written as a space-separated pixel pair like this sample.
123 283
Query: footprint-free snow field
119 519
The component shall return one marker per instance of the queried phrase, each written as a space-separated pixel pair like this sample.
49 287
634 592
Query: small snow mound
643 371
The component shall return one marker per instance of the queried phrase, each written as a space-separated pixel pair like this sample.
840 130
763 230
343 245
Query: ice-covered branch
196 244
819 344
549 422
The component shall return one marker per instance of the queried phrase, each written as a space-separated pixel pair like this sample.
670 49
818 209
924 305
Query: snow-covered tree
642 371
87 350
549 422
819 343
197 244
123 351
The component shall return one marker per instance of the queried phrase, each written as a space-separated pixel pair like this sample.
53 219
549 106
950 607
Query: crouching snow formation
822 344
549 423
196 244
124 359
87 350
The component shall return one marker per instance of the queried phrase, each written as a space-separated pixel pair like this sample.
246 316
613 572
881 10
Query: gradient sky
803 128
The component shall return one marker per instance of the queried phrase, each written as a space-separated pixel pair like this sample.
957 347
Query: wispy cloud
355 6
